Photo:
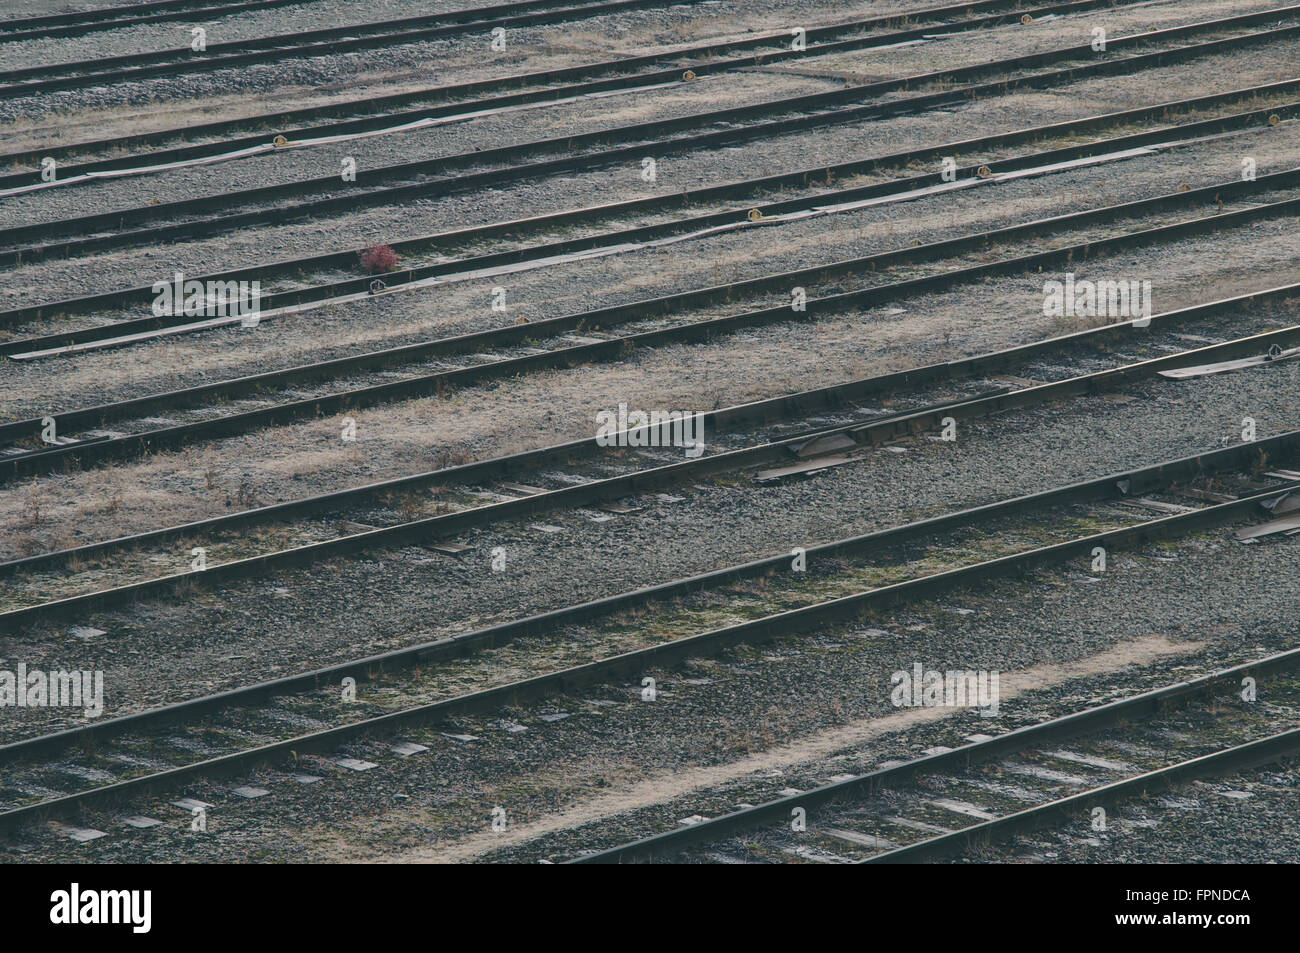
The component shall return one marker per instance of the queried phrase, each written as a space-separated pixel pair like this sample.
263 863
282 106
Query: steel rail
94 13
610 488
613 348
1115 485
1137 707
761 411
711 65
117 18
394 280
1155 138
75 75
352 200
1269 750
284 119
638 660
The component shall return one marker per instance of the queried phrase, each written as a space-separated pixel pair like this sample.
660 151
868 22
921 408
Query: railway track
434 247
34 80
380 113
648 323
57 237
608 478
963 799
102 762
361 628
80 22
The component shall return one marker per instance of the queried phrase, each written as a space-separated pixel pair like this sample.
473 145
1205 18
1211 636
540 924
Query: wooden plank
807 466
523 488
1159 506
824 445
454 549
1203 370
1212 497
1283 525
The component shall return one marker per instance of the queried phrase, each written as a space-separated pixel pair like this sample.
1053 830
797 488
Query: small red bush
378 259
